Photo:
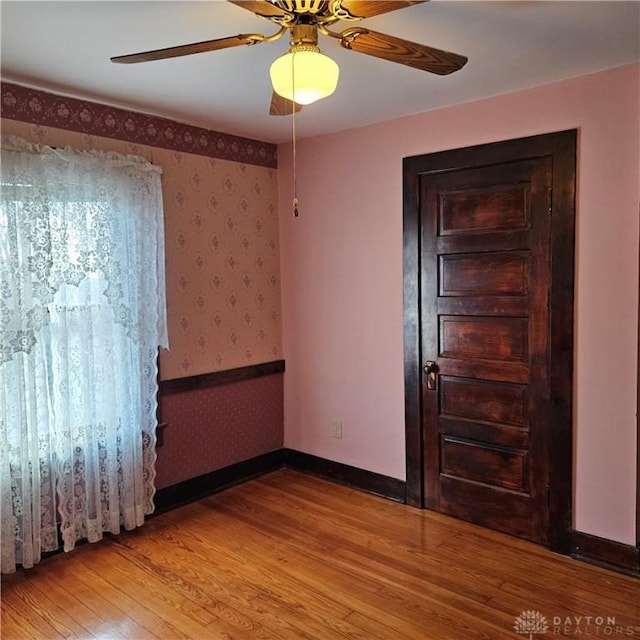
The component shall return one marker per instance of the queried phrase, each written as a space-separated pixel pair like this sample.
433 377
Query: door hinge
548 498
550 201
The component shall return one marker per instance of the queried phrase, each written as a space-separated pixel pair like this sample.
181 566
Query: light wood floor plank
290 557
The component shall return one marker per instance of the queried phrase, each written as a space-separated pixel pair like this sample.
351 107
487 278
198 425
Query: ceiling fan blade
188 49
356 9
282 106
402 51
262 8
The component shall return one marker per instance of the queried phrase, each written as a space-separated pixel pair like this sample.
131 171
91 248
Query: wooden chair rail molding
206 380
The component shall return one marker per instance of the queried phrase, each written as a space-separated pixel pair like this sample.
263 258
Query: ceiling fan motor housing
304 36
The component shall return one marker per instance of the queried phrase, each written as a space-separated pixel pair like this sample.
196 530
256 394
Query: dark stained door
485 276
485 282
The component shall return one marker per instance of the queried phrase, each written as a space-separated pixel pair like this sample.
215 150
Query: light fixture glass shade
315 76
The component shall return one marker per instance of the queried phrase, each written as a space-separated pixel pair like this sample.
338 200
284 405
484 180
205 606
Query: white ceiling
65 47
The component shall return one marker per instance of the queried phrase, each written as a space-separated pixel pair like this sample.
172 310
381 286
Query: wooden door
485 234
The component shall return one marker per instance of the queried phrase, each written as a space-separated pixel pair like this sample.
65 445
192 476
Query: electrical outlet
336 428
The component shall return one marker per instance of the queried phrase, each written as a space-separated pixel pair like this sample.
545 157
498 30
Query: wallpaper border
43 108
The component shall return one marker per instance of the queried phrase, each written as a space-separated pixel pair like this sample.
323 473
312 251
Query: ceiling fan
303 19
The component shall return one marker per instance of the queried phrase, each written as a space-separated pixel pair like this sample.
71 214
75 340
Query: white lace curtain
82 313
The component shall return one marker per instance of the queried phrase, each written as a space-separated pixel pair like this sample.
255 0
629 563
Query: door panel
499 466
500 403
480 337
493 274
482 209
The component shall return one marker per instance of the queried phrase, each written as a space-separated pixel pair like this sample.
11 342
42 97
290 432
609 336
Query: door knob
431 369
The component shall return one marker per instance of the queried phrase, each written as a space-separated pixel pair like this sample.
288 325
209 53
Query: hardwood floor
289 556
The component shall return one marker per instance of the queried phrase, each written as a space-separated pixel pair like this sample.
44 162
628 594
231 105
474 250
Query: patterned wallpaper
216 427
221 225
223 279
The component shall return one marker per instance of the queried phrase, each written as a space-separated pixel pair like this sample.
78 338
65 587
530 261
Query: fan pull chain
295 177
293 121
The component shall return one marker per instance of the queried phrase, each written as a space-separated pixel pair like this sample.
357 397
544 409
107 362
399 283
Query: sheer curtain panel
82 314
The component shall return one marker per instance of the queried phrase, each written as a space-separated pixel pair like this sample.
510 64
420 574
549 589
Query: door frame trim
561 147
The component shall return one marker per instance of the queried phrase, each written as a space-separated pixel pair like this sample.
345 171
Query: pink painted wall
341 265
